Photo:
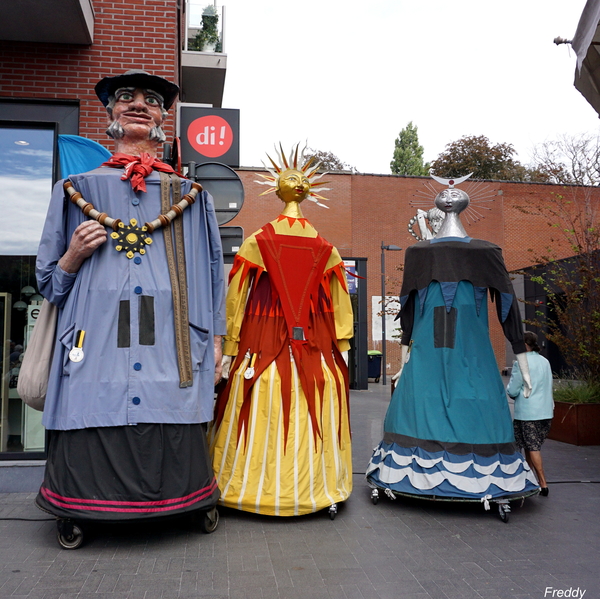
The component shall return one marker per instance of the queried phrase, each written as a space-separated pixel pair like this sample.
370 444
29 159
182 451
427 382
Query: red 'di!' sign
210 136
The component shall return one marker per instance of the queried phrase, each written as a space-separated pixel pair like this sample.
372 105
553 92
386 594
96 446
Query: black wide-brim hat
139 79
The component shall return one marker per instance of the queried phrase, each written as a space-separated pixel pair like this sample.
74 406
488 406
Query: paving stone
92 582
403 549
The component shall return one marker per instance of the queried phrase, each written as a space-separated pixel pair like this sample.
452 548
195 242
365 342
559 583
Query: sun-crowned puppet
280 440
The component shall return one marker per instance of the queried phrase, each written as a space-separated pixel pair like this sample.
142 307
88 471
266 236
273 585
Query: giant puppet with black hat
131 256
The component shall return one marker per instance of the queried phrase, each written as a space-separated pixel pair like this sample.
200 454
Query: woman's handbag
35 369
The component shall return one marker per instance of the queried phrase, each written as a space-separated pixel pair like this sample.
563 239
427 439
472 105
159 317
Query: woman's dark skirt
531 434
128 472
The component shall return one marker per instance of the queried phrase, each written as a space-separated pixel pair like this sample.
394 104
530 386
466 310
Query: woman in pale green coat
533 414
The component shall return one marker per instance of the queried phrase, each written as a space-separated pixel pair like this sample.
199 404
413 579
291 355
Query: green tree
408 153
475 154
329 161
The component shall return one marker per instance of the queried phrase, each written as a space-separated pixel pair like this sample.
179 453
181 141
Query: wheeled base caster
503 503
333 511
503 506
503 509
69 534
209 520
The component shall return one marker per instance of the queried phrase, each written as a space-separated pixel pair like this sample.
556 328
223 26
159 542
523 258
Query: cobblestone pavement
403 549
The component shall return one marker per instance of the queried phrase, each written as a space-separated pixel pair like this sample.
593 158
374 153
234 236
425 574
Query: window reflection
26 184
26 167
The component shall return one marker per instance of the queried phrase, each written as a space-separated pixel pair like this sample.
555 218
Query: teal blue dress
448 430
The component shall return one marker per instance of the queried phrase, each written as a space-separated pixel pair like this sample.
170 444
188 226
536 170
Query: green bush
577 392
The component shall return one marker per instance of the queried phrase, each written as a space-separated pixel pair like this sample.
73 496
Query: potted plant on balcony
207 39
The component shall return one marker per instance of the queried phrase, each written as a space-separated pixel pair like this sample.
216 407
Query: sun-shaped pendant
131 238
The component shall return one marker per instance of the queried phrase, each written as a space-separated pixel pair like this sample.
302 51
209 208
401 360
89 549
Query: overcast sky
348 75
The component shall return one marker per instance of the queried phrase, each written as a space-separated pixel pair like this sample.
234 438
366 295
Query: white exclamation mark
222 136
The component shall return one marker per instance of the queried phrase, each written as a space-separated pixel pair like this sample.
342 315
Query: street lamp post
390 248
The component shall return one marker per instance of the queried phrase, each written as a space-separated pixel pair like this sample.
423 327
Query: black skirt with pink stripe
128 472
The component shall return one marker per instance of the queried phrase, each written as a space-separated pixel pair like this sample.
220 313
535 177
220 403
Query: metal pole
383 356
223 17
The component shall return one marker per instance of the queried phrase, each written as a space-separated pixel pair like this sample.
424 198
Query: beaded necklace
132 238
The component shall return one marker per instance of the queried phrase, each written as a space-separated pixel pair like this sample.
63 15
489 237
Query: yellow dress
280 441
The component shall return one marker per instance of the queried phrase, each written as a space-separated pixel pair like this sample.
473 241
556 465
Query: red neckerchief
137 168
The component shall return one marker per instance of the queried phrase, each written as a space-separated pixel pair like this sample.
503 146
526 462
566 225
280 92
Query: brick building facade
366 210
63 71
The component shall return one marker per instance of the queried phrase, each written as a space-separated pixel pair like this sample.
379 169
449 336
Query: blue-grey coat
125 378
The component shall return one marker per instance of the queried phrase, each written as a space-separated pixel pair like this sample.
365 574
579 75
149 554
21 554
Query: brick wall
64 71
368 209
528 230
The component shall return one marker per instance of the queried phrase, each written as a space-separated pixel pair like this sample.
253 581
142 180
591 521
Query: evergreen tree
408 154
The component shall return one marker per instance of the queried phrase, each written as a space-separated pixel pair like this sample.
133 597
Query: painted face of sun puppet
452 200
292 186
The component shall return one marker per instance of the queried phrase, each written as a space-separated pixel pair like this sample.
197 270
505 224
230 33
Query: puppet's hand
524 368
226 366
526 385
218 348
403 361
86 239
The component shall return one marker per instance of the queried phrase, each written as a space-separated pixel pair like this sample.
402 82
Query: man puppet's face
137 111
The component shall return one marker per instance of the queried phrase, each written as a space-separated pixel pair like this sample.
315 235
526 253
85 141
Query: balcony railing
205 27
203 58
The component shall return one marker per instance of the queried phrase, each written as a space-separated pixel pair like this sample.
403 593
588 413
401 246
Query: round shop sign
210 136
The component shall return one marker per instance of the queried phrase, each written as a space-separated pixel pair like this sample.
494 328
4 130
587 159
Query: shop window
26 178
29 166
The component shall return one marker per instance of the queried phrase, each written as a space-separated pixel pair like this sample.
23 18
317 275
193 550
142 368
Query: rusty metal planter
578 424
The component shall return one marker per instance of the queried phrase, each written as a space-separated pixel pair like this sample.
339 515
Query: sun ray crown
295 161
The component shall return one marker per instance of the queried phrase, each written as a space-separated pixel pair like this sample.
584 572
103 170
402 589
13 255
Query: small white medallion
76 354
249 373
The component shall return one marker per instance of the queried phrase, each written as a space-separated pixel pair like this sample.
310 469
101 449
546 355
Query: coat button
136 401
137 366
138 290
